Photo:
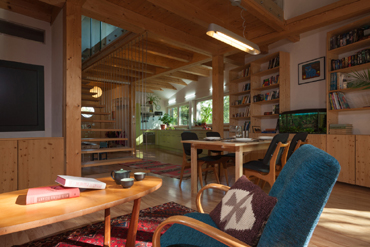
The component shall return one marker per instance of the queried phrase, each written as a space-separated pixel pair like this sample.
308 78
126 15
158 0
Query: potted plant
205 114
153 99
166 119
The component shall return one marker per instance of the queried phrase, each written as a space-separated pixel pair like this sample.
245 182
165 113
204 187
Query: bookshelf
260 70
350 150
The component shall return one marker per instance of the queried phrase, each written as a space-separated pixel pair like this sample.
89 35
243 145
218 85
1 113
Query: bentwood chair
301 191
211 161
270 166
298 140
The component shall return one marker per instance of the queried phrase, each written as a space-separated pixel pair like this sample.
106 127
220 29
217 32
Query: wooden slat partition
40 161
8 165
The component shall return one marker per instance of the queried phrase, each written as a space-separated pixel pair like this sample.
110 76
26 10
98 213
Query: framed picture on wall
311 71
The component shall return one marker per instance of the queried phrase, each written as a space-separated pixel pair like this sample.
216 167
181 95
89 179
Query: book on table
80 182
50 193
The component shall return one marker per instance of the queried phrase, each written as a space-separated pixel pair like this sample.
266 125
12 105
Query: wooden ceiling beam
127 65
198 70
165 51
38 10
108 68
107 78
183 75
167 79
111 12
263 10
327 15
143 90
57 3
294 38
165 85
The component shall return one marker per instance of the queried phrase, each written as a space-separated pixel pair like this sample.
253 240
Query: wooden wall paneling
8 166
318 141
284 76
218 94
363 160
72 77
40 161
342 147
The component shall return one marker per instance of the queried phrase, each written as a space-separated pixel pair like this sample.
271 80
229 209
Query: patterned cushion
243 211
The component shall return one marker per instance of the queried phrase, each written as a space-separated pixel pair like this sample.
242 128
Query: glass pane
85 37
174 113
184 115
204 111
226 109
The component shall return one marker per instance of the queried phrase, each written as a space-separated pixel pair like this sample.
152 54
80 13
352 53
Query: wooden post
72 84
218 94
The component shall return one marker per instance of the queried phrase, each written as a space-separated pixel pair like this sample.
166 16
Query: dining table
230 146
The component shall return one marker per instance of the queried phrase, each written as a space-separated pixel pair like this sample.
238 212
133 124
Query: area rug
163 169
93 235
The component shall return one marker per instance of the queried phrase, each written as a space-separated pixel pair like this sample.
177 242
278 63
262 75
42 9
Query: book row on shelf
339 81
245 100
266 96
361 57
275 109
246 87
350 37
338 101
244 73
246 125
270 81
245 113
274 62
340 129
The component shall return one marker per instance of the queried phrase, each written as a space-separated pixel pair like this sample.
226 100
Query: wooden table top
16 216
227 143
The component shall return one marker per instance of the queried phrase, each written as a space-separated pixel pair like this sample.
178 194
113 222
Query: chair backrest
189 136
302 189
283 138
213 134
298 137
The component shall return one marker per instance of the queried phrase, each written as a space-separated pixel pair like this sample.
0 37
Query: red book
51 193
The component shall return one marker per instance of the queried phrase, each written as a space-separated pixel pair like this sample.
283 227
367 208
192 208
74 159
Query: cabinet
363 160
266 80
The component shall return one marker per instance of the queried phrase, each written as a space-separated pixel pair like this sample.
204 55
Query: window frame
206 99
178 112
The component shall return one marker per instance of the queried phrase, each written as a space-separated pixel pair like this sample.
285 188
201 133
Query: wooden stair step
95 113
89 99
88 93
87 86
109 162
93 105
98 121
84 130
106 150
102 139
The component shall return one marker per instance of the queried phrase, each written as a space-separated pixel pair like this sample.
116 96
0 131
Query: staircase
94 131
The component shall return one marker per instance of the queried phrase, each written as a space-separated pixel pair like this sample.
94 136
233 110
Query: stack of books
340 129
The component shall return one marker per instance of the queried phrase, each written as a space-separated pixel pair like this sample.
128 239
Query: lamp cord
244 26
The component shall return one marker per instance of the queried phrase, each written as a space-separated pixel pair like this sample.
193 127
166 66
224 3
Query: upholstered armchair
302 190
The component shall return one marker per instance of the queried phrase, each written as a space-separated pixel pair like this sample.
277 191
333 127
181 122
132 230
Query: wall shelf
266 116
241 93
242 79
267 87
264 102
267 72
239 106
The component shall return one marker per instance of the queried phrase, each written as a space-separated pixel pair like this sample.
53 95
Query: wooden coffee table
16 216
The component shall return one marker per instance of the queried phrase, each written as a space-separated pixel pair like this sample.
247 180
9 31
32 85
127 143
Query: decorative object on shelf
157 107
256 129
267 113
166 119
267 96
359 79
311 71
275 109
153 99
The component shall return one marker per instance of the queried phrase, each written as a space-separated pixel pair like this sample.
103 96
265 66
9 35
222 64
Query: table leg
132 230
194 170
238 164
107 227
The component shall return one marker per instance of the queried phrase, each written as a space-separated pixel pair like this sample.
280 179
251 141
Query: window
204 110
184 115
174 113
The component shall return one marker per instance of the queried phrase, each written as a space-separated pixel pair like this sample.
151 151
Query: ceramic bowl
127 182
139 176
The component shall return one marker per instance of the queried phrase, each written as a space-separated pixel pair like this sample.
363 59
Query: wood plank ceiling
178 46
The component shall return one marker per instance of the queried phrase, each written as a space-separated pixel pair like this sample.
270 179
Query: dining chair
270 166
301 191
298 140
211 161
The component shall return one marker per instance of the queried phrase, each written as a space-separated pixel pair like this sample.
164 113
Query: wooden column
72 83
218 94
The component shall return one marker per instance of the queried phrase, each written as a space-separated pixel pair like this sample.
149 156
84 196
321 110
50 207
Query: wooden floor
344 222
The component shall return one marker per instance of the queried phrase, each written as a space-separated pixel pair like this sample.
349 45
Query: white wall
293 8
26 51
57 76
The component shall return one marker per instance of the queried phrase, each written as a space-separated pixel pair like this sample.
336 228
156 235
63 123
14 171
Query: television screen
21 97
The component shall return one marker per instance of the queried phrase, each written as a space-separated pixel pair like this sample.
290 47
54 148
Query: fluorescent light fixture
230 38
190 96
172 101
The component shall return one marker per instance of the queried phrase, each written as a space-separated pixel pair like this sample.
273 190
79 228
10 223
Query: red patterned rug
163 169
93 235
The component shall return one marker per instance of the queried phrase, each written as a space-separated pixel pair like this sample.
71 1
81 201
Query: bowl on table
119 174
139 176
127 182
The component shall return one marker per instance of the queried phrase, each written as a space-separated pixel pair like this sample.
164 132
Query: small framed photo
256 129
311 71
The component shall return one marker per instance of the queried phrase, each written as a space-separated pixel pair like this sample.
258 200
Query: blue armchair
302 189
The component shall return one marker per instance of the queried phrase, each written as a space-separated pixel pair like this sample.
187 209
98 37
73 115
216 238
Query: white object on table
265 137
